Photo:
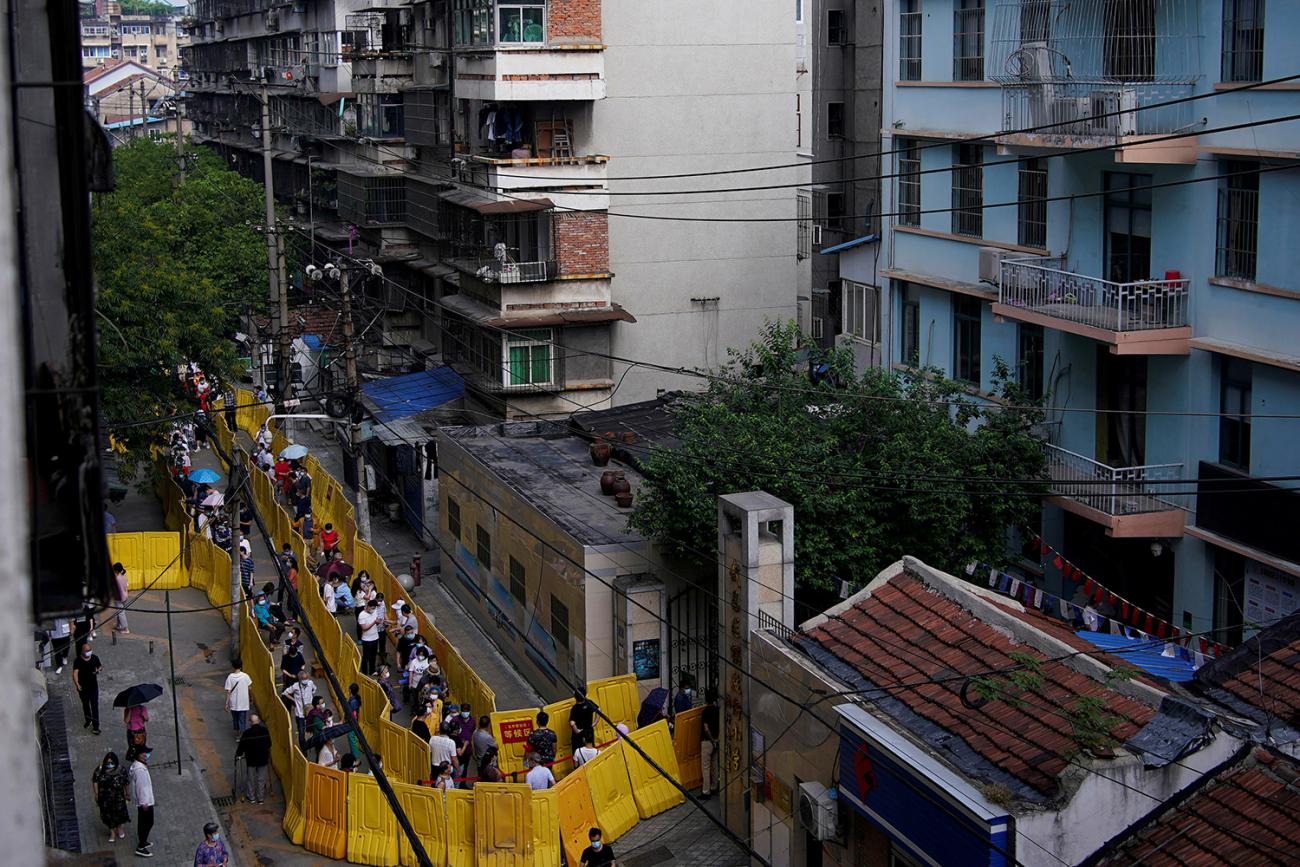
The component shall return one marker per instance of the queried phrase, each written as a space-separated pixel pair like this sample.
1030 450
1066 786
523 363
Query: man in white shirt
301 692
237 685
368 622
584 753
141 791
539 776
443 749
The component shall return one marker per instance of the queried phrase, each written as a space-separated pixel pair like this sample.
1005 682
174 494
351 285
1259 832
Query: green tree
876 466
176 267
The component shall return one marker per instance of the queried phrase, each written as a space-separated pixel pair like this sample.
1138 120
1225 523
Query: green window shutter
541 364
519 365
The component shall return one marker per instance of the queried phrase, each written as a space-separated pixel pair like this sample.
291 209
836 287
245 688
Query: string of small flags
1129 619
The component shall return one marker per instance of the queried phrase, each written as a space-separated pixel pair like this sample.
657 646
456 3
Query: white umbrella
214 499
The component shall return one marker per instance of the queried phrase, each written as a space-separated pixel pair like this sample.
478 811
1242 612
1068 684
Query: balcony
542 171
505 273
1144 317
532 73
1130 502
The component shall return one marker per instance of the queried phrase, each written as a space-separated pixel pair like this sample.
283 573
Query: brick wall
575 21
582 241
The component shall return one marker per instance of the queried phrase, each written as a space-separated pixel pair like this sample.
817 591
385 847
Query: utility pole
285 354
130 117
273 270
236 586
180 136
363 503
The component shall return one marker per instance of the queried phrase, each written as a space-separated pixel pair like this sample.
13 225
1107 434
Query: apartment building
483 153
108 35
1144 285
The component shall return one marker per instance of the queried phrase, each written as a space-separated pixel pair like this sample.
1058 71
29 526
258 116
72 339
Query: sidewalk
397 543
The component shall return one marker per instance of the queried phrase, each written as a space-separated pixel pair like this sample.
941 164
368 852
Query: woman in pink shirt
135 718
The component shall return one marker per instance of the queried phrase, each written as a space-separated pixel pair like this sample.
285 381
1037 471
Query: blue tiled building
1127 256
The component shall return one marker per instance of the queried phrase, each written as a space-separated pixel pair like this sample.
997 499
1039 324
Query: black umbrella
138 694
335 731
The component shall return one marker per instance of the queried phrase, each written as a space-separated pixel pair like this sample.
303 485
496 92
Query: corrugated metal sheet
400 397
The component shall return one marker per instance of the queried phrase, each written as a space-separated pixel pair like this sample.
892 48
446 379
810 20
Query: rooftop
552 470
1247 814
1260 679
914 624
651 423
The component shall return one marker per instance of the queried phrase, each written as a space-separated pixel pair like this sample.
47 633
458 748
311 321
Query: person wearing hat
212 851
368 622
141 788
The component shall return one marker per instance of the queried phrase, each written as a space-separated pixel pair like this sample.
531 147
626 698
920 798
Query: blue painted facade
1243 327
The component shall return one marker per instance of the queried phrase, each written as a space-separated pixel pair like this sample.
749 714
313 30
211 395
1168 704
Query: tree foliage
877 466
175 267
149 7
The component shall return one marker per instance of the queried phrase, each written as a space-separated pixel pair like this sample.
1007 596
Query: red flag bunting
1058 562
1112 598
1123 611
1043 548
1147 626
1087 587
1098 594
1204 646
1161 628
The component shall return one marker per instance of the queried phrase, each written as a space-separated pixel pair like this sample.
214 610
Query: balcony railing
1114 491
1044 286
496 271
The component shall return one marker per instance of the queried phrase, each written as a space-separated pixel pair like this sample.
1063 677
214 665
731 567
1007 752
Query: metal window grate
1031 222
909 40
804 226
967 191
836 27
1243 40
835 120
909 183
966 339
968 40
1238 235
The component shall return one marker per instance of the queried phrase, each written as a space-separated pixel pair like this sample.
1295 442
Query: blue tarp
848 245
311 341
1145 654
400 396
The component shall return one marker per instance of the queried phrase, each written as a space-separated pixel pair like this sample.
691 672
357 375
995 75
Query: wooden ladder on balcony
561 142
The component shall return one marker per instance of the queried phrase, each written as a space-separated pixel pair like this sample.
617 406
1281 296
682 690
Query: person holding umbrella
133 699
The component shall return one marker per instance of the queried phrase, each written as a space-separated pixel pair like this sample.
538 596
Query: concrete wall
693 91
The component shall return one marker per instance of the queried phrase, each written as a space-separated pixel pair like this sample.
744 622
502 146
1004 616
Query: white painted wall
690 89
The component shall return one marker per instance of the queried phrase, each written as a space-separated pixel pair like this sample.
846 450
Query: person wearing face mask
442 778
415 669
108 784
85 677
405 644
212 851
597 854
142 794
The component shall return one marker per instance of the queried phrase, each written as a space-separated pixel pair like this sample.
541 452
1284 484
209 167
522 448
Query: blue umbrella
294 452
205 476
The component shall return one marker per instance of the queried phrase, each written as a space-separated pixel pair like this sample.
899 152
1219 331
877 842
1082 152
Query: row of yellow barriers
346 815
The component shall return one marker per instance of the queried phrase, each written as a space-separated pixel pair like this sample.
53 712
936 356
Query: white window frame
854 311
512 341
520 4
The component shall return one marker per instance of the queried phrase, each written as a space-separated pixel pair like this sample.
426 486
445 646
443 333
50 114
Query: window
910 342
560 623
472 22
1129 47
453 518
1035 21
835 120
380 115
909 182
1243 40
968 40
518 581
836 211
798 10
1238 243
803 202
836 27
968 191
861 311
966 339
484 548
1029 360
522 24
1031 223
1234 403
528 357
909 40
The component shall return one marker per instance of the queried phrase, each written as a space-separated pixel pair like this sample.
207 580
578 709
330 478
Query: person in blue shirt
262 612
342 596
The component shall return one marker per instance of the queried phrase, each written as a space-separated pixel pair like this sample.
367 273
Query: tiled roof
905 632
319 320
1247 814
1263 674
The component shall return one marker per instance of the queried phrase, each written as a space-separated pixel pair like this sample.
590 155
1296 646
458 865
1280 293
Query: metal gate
692 641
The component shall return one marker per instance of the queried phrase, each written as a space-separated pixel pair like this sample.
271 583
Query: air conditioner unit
816 234
819 810
991 263
1113 112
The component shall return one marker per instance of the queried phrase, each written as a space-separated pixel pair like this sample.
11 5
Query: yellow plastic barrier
652 793
559 714
511 729
425 810
372 826
611 792
618 698
546 829
503 824
461 848
145 556
326 811
577 813
686 744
